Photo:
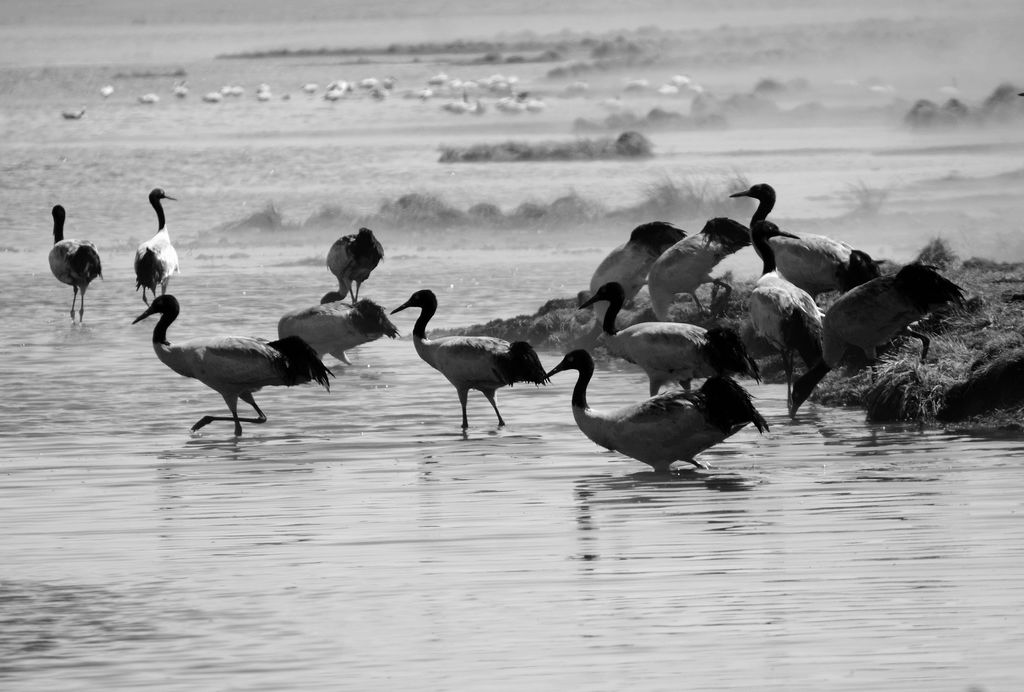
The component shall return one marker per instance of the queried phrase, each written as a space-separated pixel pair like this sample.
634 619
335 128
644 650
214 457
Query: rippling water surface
359 540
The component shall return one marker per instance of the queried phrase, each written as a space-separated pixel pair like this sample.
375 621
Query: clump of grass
905 389
626 145
266 219
937 253
689 198
865 199
418 209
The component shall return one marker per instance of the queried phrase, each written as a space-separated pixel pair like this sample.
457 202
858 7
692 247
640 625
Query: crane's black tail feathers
147 271
731 235
370 318
367 247
86 262
803 334
860 270
301 363
806 383
926 288
521 364
656 236
727 353
726 404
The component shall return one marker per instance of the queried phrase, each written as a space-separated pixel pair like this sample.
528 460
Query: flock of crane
670 426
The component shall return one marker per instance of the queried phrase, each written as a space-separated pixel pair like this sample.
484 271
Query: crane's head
575 360
424 299
762 192
158 194
165 305
611 291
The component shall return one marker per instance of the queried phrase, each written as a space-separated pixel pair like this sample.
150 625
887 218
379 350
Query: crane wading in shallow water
334 327
672 351
352 258
873 314
815 263
156 259
74 262
781 313
234 366
688 264
629 263
673 426
484 363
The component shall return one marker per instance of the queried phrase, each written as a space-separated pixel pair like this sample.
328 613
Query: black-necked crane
629 263
672 351
156 259
688 264
873 314
234 366
673 426
483 363
74 262
334 327
352 258
782 313
815 263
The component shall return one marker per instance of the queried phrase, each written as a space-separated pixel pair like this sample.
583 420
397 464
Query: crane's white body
667 351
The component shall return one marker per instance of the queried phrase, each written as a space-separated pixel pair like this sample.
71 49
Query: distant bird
352 258
234 366
180 90
106 90
815 263
873 314
669 427
73 115
213 97
310 87
334 327
74 262
688 264
782 313
149 99
484 363
672 351
156 259
629 263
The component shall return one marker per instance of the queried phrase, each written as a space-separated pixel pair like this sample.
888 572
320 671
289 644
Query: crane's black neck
764 206
759 232
419 330
58 224
615 302
160 330
161 221
579 392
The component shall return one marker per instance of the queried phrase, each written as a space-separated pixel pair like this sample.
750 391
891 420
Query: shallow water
358 540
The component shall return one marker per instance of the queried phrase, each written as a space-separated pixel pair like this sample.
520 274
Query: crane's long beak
745 193
593 299
174 199
144 315
401 307
557 369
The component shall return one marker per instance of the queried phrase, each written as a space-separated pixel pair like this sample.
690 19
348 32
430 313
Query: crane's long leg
232 401
463 395
787 363
715 285
81 306
700 308
490 397
73 299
